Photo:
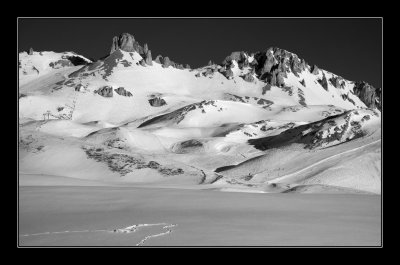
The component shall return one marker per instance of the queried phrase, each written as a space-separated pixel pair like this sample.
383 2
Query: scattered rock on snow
157 102
105 91
122 92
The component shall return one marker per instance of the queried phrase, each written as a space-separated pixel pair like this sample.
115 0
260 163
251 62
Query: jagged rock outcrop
158 59
105 91
297 65
237 56
126 42
30 51
335 81
228 74
314 70
323 82
369 95
157 102
270 66
60 64
122 92
142 62
209 71
187 66
248 77
166 62
266 88
148 60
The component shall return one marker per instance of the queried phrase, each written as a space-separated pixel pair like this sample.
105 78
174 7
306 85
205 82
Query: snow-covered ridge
127 118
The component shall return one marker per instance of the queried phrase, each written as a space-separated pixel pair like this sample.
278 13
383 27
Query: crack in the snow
128 229
157 235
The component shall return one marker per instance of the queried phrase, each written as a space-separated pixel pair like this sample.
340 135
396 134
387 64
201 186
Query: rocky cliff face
271 66
126 42
368 94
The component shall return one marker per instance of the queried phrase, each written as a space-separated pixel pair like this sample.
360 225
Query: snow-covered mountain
265 120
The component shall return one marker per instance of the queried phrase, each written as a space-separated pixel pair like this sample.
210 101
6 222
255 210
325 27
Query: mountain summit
256 121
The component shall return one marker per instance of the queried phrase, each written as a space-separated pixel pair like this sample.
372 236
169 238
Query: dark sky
351 48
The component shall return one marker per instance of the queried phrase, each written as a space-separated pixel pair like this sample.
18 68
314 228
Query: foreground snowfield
193 156
88 216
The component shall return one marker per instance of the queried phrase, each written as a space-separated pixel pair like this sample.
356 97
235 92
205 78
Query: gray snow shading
204 218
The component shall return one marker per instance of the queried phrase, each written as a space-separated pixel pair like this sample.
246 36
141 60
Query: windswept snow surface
125 216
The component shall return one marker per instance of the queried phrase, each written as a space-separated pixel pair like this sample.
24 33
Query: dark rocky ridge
122 92
127 42
105 91
272 66
157 102
368 94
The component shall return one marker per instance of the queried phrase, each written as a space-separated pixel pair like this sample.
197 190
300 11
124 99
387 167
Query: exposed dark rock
191 143
76 60
149 60
302 82
302 99
209 71
248 77
105 91
78 87
237 56
60 63
335 81
126 42
266 88
142 62
21 95
228 74
122 92
312 135
166 62
280 79
323 82
253 63
158 59
269 62
145 48
369 95
314 70
157 102
297 65
124 164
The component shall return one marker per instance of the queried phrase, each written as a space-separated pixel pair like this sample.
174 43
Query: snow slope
120 120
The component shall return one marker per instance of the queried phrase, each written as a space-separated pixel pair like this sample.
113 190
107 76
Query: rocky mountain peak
126 42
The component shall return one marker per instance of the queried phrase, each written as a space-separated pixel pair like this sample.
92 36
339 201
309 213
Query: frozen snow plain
200 217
